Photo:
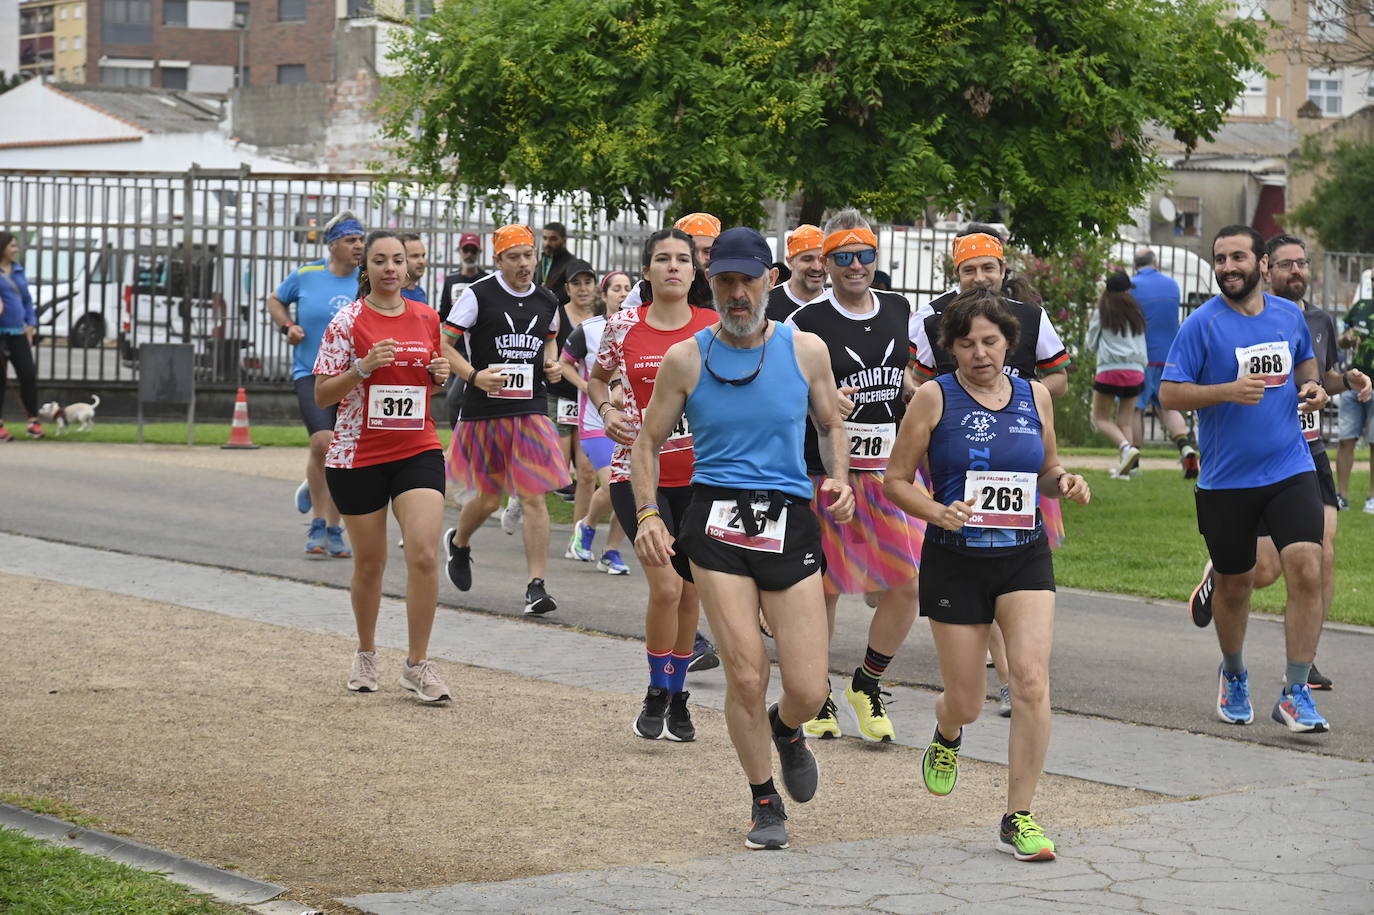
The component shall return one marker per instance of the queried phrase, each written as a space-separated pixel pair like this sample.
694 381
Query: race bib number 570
518 380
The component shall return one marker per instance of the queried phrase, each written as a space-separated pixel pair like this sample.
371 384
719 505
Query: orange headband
699 224
841 237
976 245
510 236
803 238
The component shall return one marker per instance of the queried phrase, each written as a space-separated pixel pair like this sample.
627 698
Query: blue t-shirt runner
317 293
1246 446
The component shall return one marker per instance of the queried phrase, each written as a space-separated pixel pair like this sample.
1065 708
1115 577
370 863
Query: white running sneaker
1369 506
512 517
363 677
424 681
1130 457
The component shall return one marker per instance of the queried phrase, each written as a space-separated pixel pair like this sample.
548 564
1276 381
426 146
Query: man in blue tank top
1236 360
746 386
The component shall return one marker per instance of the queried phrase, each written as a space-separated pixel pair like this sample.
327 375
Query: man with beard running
1232 361
746 385
1288 273
807 281
878 554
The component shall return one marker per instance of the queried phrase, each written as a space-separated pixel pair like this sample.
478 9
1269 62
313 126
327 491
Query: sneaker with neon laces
826 724
458 560
1021 837
652 721
362 678
1296 711
870 713
766 826
333 537
314 541
424 681
303 503
537 599
1004 701
940 767
512 516
35 430
579 543
611 563
1317 680
678 722
1191 461
801 774
1233 697
704 655
1200 604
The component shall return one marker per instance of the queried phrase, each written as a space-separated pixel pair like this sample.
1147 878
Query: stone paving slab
1254 851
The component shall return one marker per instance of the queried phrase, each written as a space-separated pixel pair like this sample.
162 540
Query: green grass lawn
1140 537
43 879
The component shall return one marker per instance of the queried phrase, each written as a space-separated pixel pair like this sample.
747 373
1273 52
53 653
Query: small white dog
82 414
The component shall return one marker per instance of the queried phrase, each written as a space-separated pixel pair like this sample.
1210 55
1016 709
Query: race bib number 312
1004 499
396 406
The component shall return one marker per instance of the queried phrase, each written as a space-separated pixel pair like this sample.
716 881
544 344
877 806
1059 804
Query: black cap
576 269
1118 281
740 250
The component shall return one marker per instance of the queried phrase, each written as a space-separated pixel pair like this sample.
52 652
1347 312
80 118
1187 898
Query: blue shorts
1355 419
598 449
317 418
1153 375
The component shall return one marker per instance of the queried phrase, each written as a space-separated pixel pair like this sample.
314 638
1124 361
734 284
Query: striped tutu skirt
1052 516
879 549
518 455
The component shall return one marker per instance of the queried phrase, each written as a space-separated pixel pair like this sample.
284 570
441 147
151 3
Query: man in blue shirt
417 259
1159 300
318 290
1244 361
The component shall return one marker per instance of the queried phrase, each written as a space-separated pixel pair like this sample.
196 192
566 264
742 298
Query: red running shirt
386 416
633 348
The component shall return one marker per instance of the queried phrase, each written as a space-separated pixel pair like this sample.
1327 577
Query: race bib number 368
1004 499
1272 360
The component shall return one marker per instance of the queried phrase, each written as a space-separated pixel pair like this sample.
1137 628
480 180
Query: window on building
174 12
1326 21
78 74
1324 88
420 9
244 77
1249 9
62 14
76 43
139 77
127 22
290 10
360 9
62 74
290 73
76 11
62 44
174 77
1188 216
242 8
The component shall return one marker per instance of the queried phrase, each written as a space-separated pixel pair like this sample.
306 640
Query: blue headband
344 227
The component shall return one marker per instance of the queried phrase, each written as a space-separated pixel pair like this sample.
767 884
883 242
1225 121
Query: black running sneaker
1317 680
1201 602
767 830
537 600
680 727
800 772
652 723
704 655
459 561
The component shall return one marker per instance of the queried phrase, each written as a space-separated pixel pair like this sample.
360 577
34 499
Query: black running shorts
1229 519
800 555
1326 484
672 506
962 588
364 490
315 417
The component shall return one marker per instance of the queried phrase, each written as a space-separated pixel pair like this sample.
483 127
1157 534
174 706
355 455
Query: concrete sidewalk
1255 827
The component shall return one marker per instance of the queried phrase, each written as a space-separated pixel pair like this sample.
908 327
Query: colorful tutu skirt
518 455
879 549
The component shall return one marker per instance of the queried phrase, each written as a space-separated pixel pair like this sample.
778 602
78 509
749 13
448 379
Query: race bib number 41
724 523
1272 360
396 406
870 444
519 380
1004 499
680 439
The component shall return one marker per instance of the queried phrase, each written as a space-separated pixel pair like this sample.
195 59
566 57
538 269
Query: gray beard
744 327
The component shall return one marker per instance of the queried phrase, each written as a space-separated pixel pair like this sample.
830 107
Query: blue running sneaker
314 541
578 541
1233 697
337 548
303 504
612 564
1298 712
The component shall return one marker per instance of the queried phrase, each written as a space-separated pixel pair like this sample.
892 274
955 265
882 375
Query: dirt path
234 742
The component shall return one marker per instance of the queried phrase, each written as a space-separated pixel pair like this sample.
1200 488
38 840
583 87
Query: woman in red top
379 361
632 345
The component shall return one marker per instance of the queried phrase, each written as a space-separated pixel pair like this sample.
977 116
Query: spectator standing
470 253
1356 417
555 261
1116 335
1159 300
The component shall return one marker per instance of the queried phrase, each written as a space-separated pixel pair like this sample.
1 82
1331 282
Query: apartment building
52 39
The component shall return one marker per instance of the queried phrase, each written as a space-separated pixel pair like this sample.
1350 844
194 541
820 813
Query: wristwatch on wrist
358 367
286 328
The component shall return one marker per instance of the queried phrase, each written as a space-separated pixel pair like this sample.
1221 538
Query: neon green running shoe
825 726
1023 838
940 767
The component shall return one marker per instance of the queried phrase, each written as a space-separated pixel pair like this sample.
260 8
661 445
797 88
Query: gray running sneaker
424 681
768 829
1004 701
801 774
363 677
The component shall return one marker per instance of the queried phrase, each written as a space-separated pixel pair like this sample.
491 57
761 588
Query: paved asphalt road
1118 658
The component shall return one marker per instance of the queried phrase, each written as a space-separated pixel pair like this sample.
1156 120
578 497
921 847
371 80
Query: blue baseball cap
740 250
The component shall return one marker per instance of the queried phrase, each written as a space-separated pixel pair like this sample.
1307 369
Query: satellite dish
1167 210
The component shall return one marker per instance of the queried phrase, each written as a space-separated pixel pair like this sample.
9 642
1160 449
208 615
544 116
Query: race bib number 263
1004 499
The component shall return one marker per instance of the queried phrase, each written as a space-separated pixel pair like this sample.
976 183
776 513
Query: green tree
1338 211
1033 109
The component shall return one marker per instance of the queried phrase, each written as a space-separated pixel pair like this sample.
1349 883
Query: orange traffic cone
239 436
